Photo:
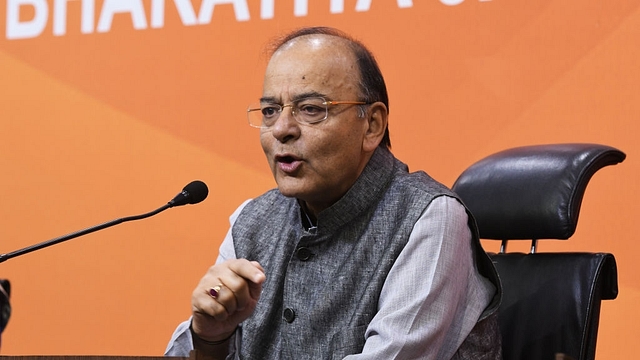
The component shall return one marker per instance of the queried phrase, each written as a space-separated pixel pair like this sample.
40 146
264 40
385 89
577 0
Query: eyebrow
273 100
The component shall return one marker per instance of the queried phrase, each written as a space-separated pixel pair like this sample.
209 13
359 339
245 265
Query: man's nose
286 115
290 106
286 126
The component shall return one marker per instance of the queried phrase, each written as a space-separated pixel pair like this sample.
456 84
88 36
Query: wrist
197 339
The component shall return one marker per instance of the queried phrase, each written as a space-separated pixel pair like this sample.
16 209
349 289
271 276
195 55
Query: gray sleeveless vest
323 285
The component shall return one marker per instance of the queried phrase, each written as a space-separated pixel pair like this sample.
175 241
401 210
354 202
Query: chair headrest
532 192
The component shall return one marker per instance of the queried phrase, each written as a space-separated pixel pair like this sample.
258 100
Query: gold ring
214 292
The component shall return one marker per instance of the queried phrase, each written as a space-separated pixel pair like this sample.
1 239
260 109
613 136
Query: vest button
289 315
303 254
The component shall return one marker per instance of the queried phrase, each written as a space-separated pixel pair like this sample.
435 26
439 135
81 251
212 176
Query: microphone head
193 193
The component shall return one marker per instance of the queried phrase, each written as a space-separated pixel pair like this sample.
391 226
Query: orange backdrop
109 107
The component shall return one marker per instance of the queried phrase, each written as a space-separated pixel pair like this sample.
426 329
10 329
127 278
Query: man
351 256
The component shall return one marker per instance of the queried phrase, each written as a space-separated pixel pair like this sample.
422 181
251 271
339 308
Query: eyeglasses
309 110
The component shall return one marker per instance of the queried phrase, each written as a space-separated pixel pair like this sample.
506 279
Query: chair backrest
551 301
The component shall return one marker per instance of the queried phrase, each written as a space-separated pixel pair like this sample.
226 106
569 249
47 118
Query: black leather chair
551 302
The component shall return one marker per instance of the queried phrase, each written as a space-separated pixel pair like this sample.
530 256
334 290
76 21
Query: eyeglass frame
325 102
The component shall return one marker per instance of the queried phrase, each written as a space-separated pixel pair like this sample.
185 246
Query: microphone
193 193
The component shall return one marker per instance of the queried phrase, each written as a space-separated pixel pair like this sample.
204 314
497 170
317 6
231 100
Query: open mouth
289 164
287 159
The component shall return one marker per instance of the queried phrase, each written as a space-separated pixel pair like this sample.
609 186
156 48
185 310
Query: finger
255 290
227 290
224 283
257 265
250 270
224 296
234 293
204 304
250 293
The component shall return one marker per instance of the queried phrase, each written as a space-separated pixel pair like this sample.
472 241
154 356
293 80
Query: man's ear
377 121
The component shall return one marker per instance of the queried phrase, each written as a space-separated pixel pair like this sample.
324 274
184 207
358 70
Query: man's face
316 163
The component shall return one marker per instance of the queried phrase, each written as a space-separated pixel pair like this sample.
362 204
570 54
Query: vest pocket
347 341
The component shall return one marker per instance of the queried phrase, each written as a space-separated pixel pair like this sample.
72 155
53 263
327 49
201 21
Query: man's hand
236 288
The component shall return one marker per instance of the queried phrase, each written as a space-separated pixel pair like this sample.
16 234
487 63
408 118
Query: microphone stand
5 257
